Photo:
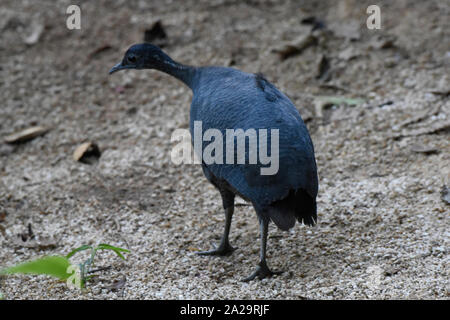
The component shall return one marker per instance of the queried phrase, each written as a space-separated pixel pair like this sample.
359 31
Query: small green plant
86 267
61 268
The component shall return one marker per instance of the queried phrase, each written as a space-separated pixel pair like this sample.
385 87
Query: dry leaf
33 38
28 240
419 117
295 47
2 230
3 215
99 50
323 68
26 135
424 149
87 152
435 127
441 92
382 42
42 244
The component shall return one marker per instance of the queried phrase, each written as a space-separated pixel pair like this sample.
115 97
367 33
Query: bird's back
226 98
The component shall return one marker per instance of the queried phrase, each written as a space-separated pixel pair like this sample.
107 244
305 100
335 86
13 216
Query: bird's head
142 56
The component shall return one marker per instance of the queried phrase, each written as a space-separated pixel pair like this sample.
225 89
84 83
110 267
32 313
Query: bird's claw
222 250
262 271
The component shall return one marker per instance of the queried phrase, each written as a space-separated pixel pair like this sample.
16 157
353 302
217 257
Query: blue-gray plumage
226 98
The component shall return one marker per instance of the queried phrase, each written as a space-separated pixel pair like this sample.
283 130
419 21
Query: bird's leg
224 247
262 270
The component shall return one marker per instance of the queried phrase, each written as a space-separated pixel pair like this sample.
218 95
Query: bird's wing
234 105
296 170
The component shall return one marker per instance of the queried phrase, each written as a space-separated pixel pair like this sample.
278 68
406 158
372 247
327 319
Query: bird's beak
117 67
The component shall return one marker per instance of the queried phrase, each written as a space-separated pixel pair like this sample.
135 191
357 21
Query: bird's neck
182 72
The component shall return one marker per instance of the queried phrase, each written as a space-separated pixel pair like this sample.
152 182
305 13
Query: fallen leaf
99 50
441 92
33 38
168 189
3 215
42 244
382 42
323 68
28 240
424 149
295 47
87 153
435 127
26 135
418 117
333 86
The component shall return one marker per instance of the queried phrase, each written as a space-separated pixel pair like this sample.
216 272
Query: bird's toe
262 271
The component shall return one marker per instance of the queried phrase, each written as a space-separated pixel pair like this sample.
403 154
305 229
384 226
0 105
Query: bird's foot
262 271
222 250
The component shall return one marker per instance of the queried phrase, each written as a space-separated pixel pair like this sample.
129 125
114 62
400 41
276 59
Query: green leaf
84 247
55 266
117 250
108 246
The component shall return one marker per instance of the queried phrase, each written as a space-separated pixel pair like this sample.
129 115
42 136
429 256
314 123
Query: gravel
383 230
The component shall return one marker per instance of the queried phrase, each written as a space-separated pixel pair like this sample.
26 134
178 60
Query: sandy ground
383 228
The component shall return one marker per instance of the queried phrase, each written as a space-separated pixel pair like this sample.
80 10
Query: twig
99 269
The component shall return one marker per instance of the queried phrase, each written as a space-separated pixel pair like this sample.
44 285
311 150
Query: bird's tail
298 205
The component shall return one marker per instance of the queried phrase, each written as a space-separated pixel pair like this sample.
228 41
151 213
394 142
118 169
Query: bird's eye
131 59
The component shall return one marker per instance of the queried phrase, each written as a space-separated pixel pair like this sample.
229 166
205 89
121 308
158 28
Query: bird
228 98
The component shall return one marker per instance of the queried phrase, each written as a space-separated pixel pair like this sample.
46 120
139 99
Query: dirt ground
383 229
